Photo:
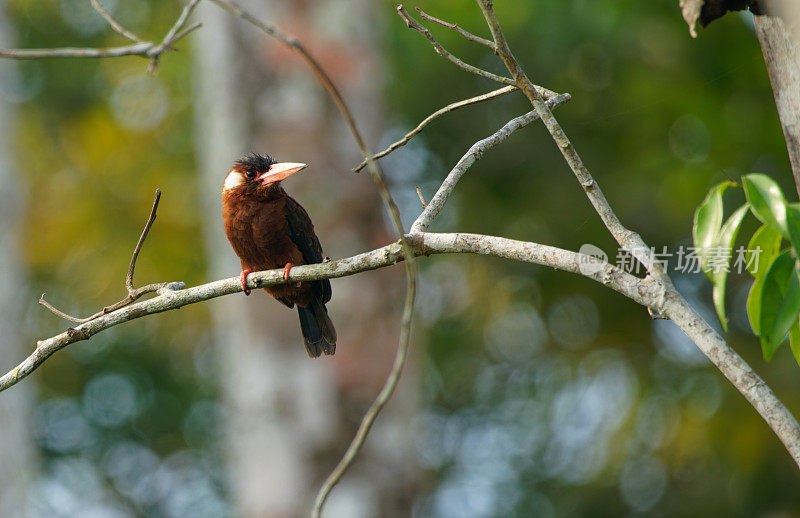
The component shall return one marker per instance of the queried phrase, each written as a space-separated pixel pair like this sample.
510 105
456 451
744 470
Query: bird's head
260 176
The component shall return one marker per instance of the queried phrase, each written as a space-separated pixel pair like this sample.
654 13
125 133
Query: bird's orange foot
243 280
286 273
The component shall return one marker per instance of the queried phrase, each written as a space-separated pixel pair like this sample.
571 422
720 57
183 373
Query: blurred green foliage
546 394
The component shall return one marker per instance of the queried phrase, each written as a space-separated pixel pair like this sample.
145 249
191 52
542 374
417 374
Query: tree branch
113 23
455 27
375 408
783 67
671 303
145 49
172 296
430 118
474 154
133 293
412 24
150 220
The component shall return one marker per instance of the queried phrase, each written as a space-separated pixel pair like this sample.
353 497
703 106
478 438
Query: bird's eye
249 174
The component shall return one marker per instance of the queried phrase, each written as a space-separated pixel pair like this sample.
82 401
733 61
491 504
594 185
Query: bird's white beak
281 171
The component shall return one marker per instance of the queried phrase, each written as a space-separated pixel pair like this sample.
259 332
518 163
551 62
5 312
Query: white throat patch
234 179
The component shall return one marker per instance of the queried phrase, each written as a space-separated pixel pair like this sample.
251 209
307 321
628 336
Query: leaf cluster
773 304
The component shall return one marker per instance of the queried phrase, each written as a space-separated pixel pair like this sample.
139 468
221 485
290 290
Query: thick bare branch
738 372
172 296
474 154
138 49
671 304
628 240
781 57
430 118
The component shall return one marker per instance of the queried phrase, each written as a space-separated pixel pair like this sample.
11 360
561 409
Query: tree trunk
18 459
285 428
778 36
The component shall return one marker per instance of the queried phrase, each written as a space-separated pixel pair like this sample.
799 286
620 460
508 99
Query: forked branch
146 49
133 293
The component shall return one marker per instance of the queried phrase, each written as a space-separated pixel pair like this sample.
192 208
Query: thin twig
172 35
438 113
186 31
146 49
421 197
455 27
412 24
150 220
138 49
133 293
113 23
61 313
375 408
474 153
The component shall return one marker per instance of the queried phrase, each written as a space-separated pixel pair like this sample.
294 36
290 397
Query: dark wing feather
301 232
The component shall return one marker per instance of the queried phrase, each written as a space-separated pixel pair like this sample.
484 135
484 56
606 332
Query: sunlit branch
172 296
671 304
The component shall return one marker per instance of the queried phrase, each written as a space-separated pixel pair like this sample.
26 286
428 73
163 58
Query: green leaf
765 244
793 225
794 341
766 201
754 305
768 241
724 245
780 302
707 223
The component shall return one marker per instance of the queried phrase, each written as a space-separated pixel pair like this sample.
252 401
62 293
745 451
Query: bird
268 229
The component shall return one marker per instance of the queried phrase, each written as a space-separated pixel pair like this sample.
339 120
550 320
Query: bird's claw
243 281
286 274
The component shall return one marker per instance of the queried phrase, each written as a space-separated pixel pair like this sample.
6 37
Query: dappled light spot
689 139
139 102
642 483
573 321
110 400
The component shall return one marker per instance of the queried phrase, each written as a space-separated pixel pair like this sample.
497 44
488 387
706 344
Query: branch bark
643 291
781 58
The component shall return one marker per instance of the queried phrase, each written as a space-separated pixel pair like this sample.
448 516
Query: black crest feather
256 162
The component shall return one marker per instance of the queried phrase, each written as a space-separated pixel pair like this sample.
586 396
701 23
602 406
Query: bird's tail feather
318 332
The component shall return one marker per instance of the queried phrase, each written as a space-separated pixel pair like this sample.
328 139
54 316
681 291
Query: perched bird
269 229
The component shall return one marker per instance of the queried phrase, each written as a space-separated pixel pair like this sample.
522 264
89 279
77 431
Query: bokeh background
529 392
